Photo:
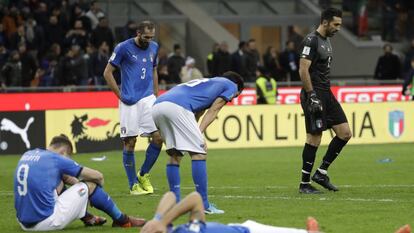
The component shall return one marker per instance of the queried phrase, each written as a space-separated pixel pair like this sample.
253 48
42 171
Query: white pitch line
289 187
303 198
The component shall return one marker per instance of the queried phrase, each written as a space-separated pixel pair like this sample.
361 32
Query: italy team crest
396 123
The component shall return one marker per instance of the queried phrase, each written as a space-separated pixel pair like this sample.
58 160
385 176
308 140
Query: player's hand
205 145
154 226
314 103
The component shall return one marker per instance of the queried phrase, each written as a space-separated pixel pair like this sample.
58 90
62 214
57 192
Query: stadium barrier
28 122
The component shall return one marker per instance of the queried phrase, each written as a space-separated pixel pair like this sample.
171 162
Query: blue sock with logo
199 170
129 165
173 176
151 156
102 201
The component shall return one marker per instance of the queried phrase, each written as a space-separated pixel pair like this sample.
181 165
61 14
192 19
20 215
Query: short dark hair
329 13
242 44
236 78
146 24
61 140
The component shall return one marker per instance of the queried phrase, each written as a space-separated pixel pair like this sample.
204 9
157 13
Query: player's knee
346 136
313 140
91 187
129 143
156 139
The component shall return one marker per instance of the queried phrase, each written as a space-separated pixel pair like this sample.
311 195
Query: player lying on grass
167 211
39 179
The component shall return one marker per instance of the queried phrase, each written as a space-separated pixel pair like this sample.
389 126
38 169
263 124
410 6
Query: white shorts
69 206
178 127
137 119
255 227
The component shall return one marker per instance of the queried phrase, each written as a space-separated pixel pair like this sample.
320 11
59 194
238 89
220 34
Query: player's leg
255 227
173 172
147 128
339 124
102 201
69 206
151 156
128 116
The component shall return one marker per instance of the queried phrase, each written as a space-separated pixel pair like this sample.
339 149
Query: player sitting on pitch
167 211
41 175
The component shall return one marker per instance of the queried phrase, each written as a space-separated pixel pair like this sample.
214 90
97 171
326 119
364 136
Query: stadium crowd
68 42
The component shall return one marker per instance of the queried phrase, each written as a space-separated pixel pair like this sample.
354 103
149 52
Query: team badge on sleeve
306 50
112 56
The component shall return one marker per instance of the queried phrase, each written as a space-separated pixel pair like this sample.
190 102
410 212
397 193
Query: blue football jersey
36 178
210 227
136 66
199 94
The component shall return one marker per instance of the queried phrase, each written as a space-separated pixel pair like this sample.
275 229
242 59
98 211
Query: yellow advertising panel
90 130
284 125
94 130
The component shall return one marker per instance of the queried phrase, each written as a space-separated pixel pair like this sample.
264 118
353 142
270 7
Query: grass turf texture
262 184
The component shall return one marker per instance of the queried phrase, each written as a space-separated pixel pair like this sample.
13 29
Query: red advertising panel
106 99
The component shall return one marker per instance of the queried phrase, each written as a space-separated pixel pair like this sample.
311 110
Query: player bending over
41 175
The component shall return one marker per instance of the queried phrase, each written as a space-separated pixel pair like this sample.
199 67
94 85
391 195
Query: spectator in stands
289 59
189 71
238 60
210 57
409 81
221 60
102 33
11 20
175 63
271 63
12 71
74 70
77 35
62 15
44 75
388 65
389 18
98 62
409 55
162 56
252 60
163 77
35 40
266 91
129 30
4 55
55 32
4 40
28 65
409 6
17 37
41 13
79 14
94 14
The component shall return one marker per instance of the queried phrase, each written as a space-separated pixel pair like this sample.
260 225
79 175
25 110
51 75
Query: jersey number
143 73
22 174
195 82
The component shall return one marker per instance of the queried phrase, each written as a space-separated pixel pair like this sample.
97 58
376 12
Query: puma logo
8 125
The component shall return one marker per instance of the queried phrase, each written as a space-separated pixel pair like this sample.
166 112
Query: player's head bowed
236 78
145 33
331 20
63 144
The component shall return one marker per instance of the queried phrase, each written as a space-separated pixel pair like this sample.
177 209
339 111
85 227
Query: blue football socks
199 171
173 176
129 165
102 201
151 157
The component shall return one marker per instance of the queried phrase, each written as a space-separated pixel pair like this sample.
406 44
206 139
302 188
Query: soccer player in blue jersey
167 211
176 114
40 200
137 60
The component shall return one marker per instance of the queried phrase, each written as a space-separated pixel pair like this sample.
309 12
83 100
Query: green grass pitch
262 184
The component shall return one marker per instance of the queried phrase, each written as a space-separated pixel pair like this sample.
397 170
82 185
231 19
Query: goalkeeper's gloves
314 104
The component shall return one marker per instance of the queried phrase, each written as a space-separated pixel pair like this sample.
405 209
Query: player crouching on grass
40 200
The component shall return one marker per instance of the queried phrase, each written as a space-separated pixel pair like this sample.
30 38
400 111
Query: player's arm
304 65
109 77
211 114
91 175
69 180
199 114
155 80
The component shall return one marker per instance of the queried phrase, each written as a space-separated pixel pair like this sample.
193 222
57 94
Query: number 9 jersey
38 174
136 66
